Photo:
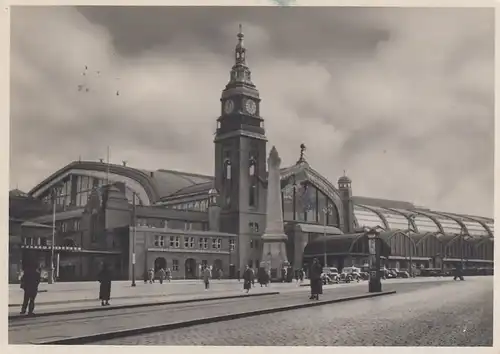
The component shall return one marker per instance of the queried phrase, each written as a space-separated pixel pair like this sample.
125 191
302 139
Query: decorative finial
344 174
302 150
240 34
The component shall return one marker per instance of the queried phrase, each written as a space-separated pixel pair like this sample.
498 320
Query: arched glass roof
425 224
366 217
449 225
395 220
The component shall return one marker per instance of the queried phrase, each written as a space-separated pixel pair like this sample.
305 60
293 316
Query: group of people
162 275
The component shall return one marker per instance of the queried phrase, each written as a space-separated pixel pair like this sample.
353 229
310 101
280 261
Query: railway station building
163 218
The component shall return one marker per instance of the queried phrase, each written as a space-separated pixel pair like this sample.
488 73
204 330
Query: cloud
400 98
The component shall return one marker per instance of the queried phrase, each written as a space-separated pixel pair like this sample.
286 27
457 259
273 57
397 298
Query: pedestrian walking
162 275
29 283
301 275
315 279
146 276
247 278
206 277
253 277
104 279
168 274
458 272
261 277
219 274
151 275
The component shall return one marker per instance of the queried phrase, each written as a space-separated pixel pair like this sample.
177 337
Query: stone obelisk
274 238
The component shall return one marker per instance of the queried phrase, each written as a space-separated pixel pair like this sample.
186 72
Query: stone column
274 238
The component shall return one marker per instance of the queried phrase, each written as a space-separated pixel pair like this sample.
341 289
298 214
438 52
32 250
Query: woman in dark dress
104 278
247 278
315 278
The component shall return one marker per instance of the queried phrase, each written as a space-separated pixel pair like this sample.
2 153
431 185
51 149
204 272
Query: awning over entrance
347 244
318 229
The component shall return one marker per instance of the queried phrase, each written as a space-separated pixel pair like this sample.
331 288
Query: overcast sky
402 99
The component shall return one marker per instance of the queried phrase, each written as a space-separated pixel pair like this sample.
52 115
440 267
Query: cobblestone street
444 314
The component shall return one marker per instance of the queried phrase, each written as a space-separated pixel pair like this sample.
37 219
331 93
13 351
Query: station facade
184 221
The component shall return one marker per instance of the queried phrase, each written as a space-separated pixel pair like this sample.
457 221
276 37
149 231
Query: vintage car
330 275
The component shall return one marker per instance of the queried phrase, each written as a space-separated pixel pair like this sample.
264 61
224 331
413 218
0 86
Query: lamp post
55 193
134 225
374 285
327 210
411 218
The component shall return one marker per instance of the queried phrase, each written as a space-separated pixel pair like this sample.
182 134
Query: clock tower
240 162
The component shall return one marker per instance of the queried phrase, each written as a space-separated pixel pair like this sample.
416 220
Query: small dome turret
344 180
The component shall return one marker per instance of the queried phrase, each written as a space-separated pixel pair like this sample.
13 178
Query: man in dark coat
29 283
247 278
315 278
104 278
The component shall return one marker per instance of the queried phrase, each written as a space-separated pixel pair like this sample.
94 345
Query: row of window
197 205
189 242
68 225
172 224
35 241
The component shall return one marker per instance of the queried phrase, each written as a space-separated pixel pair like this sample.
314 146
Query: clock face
250 106
228 106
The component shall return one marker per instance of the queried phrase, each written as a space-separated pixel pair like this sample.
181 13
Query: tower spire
240 48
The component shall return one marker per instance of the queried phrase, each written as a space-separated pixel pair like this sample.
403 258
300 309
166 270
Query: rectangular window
216 243
175 241
188 226
188 242
159 241
175 265
231 245
203 243
76 225
64 226
43 241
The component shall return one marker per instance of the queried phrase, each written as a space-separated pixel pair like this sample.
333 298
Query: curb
148 304
182 324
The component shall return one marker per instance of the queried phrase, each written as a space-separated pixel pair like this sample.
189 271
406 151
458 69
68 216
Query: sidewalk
62 293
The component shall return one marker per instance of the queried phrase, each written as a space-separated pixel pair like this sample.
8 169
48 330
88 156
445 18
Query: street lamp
374 285
411 218
134 225
55 194
327 210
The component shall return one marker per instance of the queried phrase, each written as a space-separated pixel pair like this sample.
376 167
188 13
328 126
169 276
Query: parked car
351 274
392 273
330 275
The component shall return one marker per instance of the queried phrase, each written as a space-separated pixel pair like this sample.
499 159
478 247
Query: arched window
252 167
227 169
252 171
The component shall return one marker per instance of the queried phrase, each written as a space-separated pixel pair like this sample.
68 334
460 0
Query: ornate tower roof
240 79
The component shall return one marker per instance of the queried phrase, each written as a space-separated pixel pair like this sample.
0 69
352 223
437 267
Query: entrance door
160 263
190 268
